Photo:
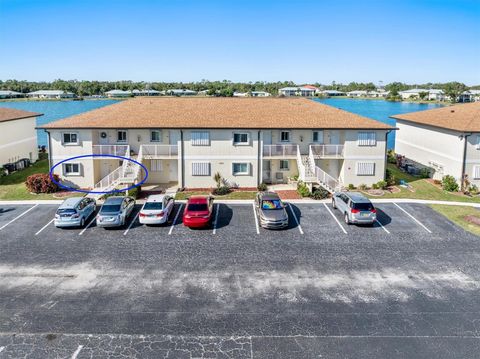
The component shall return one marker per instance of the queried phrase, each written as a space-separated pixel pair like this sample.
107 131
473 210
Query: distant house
181 92
145 93
470 96
446 140
240 94
431 94
332 93
297 91
51 94
378 93
436 95
260 94
10 94
118 93
18 137
357 93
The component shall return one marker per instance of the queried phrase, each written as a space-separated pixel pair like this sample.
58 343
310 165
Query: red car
198 212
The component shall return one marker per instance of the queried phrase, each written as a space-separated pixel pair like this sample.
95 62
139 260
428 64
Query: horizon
147 41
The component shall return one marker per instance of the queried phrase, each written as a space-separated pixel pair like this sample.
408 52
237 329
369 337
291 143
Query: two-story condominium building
247 140
446 139
18 137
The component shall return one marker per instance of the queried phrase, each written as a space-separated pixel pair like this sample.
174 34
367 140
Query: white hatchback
157 209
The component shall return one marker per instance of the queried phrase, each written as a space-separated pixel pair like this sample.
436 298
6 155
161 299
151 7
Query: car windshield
153 205
66 211
197 207
110 208
271 204
363 206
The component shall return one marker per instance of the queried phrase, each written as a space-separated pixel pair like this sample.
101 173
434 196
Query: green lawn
423 189
457 215
232 195
12 187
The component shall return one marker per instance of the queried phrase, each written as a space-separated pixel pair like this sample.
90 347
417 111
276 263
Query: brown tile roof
463 117
10 114
209 112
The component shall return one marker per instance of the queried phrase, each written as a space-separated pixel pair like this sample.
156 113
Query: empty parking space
10 213
236 220
315 219
29 220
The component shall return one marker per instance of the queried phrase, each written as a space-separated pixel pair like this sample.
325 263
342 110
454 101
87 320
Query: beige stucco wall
18 139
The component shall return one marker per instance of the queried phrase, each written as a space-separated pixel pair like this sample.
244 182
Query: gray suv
356 208
271 210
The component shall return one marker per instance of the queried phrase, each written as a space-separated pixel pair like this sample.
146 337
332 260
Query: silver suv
356 208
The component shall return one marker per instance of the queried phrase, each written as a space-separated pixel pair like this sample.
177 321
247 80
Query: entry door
334 137
174 136
173 172
105 168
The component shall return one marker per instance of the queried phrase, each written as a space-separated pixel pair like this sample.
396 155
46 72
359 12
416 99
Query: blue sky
304 41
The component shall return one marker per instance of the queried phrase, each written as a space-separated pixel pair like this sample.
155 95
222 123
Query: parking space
236 219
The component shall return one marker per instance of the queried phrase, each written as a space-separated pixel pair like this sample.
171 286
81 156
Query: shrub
217 177
134 192
295 178
374 186
351 187
425 173
262 187
221 191
382 184
473 189
303 190
390 178
391 157
362 187
43 156
41 183
449 184
437 182
320 193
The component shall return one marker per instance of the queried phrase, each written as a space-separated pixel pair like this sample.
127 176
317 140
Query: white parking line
296 219
175 220
45 226
131 223
381 225
256 219
335 218
412 217
89 224
1 349
17 217
76 352
216 218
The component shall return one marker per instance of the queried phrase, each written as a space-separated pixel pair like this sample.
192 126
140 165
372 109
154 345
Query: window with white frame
285 136
71 169
367 139
240 138
200 168
121 136
476 172
284 165
200 138
156 165
318 136
240 168
365 168
70 138
155 136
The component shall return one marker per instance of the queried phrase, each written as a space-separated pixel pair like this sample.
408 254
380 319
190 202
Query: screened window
318 136
201 169
156 136
156 165
285 136
121 136
240 138
71 169
365 168
284 165
367 139
70 138
240 168
476 172
200 138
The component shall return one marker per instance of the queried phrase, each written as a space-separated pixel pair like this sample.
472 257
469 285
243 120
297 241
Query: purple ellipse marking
98 192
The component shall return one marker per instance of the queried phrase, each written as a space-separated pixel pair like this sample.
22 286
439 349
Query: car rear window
197 207
153 205
110 208
271 204
363 206
66 211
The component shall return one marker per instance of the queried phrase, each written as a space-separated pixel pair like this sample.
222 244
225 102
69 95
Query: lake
379 110
55 110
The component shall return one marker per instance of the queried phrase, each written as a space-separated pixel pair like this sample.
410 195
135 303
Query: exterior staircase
309 172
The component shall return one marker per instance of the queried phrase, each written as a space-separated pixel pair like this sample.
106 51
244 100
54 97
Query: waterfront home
378 93
118 93
260 94
240 94
430 94
181 92
145 93
18 137
332 93
296 91
247 140
469 96
50 94
10 94
357 93
446 140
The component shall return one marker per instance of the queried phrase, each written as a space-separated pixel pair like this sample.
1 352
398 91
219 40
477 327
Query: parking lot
404 287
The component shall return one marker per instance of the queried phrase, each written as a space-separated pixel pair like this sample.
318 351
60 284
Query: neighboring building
50 94
470 96
446 140
181 92
118 93
260 94
145 93
436 95
378 93
18 137
10 94
332 93
431 94
248 140
357 93
240 94
297 91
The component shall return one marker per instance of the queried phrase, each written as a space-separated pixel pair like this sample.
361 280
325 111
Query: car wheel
333 204
347 220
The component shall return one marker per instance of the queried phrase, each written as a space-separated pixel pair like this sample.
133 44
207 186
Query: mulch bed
63 194
288 194
473 220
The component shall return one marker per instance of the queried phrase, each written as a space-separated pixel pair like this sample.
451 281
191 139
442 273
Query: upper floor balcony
149 151
111 150
328 151
280 151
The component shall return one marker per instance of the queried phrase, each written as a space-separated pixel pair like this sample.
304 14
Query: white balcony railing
325 179
116 150
289 150
328 151
163 151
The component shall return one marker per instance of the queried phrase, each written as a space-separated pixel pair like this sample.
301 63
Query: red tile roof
11 114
